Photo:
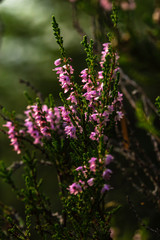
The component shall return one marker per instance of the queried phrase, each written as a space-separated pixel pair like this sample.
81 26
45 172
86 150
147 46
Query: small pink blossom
80 168
12 135
75 188
57 62
92 163
93 136
119 116
90 182
70 130
104 53
72 98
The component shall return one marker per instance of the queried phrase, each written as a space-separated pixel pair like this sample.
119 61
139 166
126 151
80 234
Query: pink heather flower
72 98
109 158
75 188
64 75
65 114
80 168
90 182
93 136
91 95
12 136
81 182
69 68
58 69
45 131
110 109
84 75
104 53
44 108
94 117
22 132
16 147
36 123
106 174
57 62
83 170
119 116
106 4
70 131
105 188
65 82
92 163
119 98
100 75
106 117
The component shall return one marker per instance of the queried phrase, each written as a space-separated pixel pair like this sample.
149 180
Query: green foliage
114 15
146 122
158 104
59 39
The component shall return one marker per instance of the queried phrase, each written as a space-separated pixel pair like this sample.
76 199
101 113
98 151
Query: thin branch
76 23
125 80
16 165
28 84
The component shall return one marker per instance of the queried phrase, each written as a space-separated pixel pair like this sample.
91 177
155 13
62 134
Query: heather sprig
91 58
74 139
59 39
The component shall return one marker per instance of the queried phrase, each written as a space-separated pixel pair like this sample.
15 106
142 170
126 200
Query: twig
76 23
16 165
28 84
125 80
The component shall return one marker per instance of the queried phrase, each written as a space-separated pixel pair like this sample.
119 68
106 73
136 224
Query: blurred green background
28 50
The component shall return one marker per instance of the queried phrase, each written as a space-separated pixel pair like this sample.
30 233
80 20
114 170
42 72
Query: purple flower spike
12 136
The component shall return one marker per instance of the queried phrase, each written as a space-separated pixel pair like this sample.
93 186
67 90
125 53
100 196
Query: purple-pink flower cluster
99 115
87 175
12 135
87 107
92 93
64 75
41 121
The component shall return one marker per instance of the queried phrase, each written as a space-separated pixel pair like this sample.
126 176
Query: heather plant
75 139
